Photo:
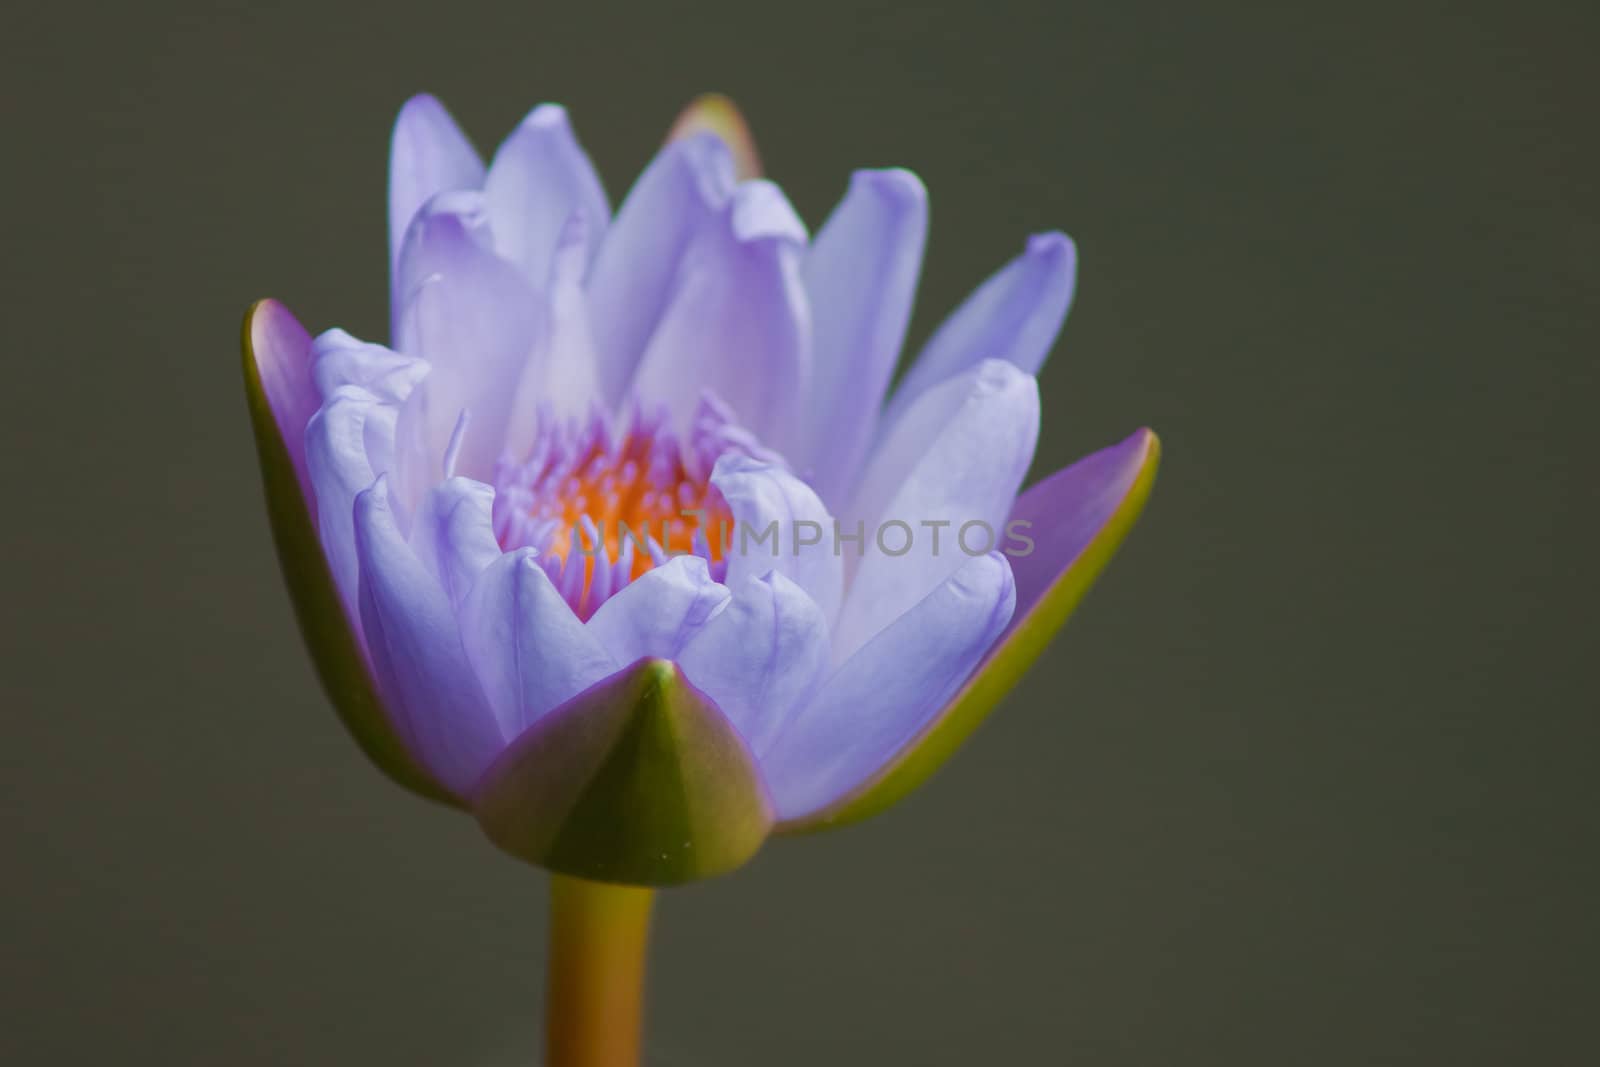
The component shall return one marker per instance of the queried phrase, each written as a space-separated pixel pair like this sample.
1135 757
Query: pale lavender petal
282 351
957 458
427 155
428 687
801 547
760 657
1015 315
561 379
475 319
738 323
433 242
350 440
529 650
632 279
452 534
880 698
539 177
861 277
657 613
340 359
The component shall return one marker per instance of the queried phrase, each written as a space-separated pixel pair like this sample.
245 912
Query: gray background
1306 781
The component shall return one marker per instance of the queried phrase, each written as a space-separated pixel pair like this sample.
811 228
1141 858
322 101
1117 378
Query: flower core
602 507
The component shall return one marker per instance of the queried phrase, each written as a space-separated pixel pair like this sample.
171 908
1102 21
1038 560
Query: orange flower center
603 512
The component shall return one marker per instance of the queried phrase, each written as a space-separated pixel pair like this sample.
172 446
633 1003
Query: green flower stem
594 996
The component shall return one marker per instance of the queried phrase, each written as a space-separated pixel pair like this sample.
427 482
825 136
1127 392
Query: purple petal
331 629
428 687
956 458
439 230
657 613
350 440
561 379
1063 533
761 494
1065 511
282 352
539 177
452 534
428 155
1014 316
879 699
761 656
737 324
340 360
685 186
475 319
860 276
528 648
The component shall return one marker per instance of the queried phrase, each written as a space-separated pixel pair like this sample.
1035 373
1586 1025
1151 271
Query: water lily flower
518 538
624 543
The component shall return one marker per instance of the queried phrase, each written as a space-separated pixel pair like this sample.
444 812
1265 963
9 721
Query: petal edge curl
335 649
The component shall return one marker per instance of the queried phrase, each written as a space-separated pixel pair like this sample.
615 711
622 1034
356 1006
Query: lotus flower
624 543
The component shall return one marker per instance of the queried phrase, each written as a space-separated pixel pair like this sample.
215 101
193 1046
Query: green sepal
1005 665
334 648
639 780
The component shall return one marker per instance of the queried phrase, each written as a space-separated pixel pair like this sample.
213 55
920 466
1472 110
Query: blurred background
1309 777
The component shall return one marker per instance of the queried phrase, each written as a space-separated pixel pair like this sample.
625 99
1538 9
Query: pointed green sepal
639 780
277 346
1077 519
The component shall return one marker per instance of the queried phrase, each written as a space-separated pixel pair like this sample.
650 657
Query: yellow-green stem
594 995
